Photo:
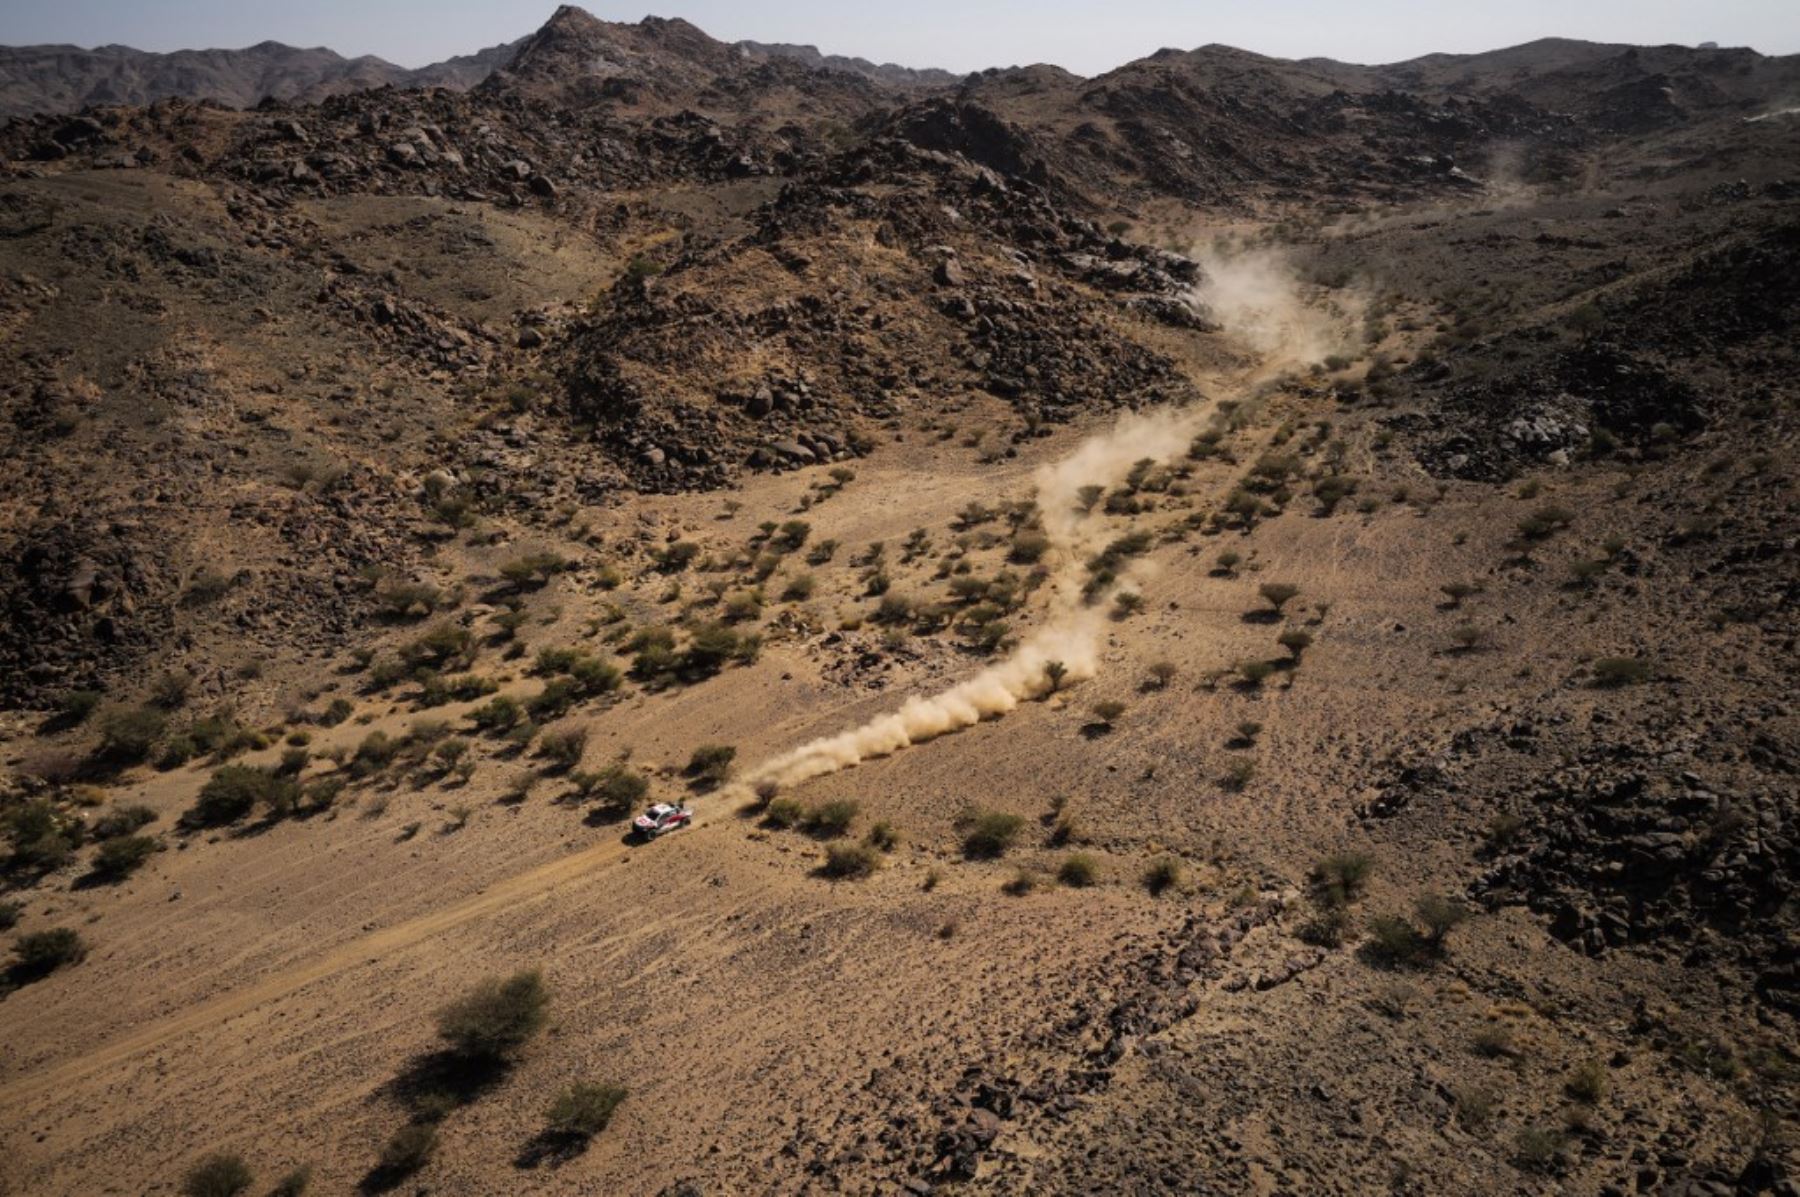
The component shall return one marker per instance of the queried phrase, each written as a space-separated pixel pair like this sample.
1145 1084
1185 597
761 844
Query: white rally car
661 818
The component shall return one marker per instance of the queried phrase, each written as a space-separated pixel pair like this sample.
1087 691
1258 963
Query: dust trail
1258 295
1071 636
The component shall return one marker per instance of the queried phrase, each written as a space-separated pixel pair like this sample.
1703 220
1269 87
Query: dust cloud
1257 296
1070 637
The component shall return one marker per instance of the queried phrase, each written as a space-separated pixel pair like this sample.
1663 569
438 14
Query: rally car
660 818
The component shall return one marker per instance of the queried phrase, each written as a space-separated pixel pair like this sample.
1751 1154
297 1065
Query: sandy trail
530 886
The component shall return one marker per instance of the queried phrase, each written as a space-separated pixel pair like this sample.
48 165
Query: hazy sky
1088 36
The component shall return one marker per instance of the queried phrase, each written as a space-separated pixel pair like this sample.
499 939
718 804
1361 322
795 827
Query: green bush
851 860
9 915
43 952
219 1175
77 705
989 833
1078 870
1339 879
1278 594
831 817
498 714
235 790
882 837
119 857
127 734
618 786
1587 1084
583 1110
710 764
564 746
497 1017
122 820
784 812
1162 875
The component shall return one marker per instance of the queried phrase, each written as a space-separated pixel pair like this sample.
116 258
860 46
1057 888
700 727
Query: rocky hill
36 79
1226 627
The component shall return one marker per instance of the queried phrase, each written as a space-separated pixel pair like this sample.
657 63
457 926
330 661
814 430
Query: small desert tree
496 1018
1277 594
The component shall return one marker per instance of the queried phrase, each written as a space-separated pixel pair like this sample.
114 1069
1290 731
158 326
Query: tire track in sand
529 885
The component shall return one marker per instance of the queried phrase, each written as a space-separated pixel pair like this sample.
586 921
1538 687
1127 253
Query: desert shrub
42 836
120 856
1028 548
221 1174
553 701
798 589
1439 915
533 569
1538 1148
1474 1106
409 600
293 762
1295 640
1255 673
1339 879
784 812
1587 1083
1239 771
1326 928
1393 940
892 609
497 714
882 837
620 786
122 820
711 646
339 710
1331 491
1493 1041
233 791
1127 603
1278 594
76 705
1229 560
673 558
1078 870
710 764
1162 875
1054 673
583 1110
1613 672
127 734
564 746
374 753
831 817
989 833
850 860
171 689
497 1017
1545 522
409 1149
9 915
43 952
440 645
743 607
1107 711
